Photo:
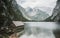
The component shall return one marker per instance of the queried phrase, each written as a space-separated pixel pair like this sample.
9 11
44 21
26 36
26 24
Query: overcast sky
33 3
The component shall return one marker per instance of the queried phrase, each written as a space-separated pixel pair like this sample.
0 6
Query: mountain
33 13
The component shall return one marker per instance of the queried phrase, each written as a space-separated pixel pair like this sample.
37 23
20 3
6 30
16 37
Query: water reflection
39 29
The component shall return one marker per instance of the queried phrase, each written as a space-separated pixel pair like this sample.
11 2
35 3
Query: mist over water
39 30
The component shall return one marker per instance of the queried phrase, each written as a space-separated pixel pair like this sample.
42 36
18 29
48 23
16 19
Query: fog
39 29
38 3
36 9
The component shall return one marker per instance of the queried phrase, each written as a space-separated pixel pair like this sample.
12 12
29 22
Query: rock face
56 15
36 14
6 27
36 10
11 9
7 14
